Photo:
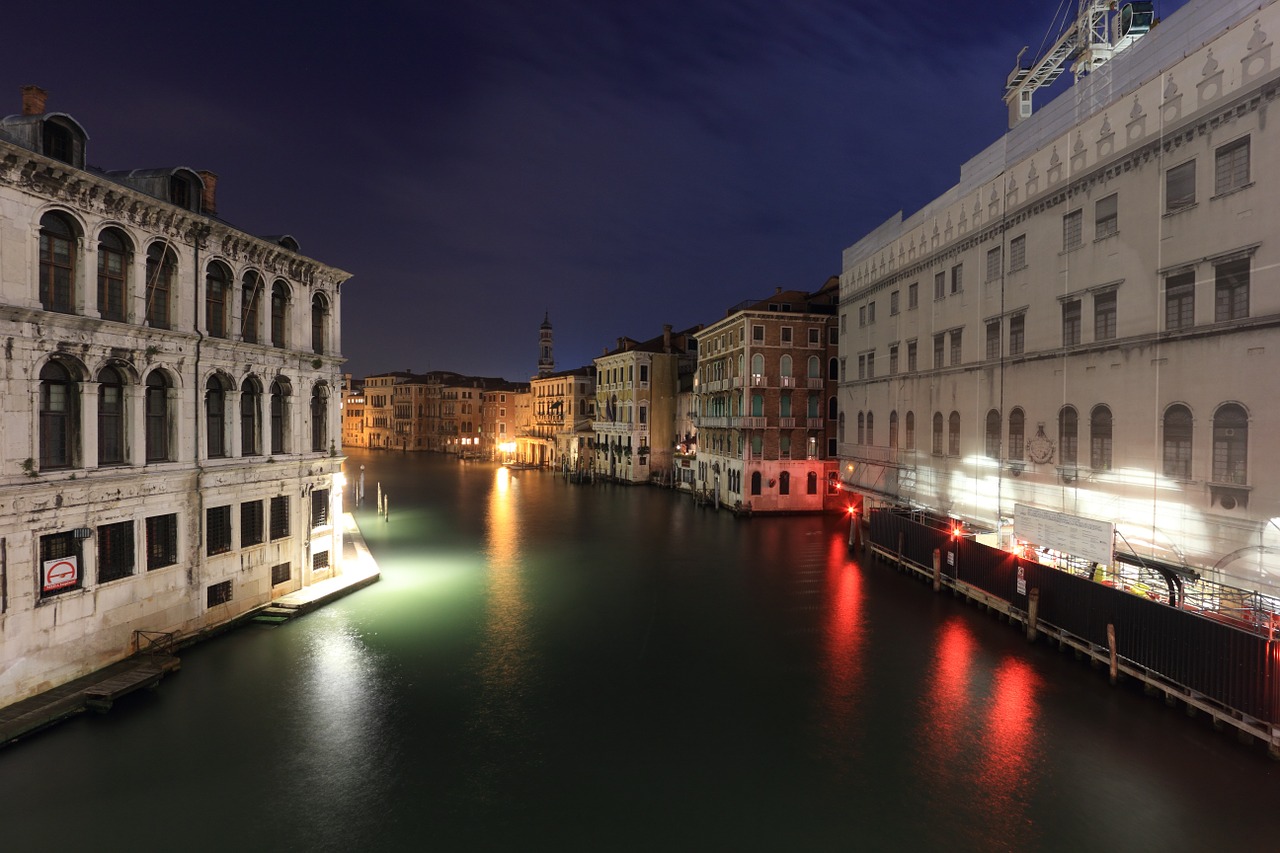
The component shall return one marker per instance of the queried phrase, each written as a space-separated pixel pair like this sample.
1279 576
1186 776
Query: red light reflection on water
842 650
980 731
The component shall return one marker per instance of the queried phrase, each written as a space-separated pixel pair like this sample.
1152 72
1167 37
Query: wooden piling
1111 644
1033 613
937 570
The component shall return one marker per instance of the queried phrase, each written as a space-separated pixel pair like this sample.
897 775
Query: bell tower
546 364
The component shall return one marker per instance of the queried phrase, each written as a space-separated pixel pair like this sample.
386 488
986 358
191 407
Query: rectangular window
218 593
319 508
59 563
1071 230
1180 301
862 367
320 561
1104 316
1018 252
939 348
871 313
1106 220
913 295
862 315
893 360
1180 187
1071 323
815 338
940 286
993 339
757 334
250 523
162 541
1231 167
955 346
833 338
995 263
1231 291
218 530
893 304
1017 334
115 551
957 278
279 517
871 365
786 339
912 364
281 573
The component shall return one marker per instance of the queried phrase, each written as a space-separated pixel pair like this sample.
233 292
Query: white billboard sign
60 574
1088 538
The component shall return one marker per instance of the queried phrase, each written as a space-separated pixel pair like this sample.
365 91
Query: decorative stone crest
1040 447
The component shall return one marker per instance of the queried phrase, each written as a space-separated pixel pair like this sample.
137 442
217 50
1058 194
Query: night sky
476 163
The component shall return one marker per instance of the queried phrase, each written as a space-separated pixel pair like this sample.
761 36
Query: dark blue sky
476 163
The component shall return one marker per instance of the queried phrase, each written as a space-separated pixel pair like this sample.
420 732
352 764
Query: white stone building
170 433
1086 322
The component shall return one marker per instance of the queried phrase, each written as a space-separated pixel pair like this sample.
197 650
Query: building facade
766 400
637 385
1083 325
562 408
170 435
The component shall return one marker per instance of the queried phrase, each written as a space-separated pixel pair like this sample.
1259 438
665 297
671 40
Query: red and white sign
60 574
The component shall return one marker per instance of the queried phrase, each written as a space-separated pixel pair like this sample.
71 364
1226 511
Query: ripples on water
556 667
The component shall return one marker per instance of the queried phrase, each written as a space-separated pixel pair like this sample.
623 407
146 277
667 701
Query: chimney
777 290
209 198
666 337
620 343
33 100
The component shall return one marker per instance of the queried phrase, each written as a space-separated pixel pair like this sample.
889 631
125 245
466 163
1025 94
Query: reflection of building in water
1086 322
171 433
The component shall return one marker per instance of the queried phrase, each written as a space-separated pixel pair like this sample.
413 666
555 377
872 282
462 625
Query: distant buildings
169 441
1085 323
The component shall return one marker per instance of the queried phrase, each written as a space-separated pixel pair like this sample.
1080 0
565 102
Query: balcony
759 380
815 423
817 383
787 423
787 381
712 422
754 423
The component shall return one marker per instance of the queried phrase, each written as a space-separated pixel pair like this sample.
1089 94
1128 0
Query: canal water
548 666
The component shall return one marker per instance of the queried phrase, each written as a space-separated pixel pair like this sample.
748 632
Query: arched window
893 428
953 434
811 483
833 369
1100 438
279 314
157 417
815 406
993 434
784 368
840 427
937 433
784 405
784 483
57 263
162 268
113 261
755 482
1017 434
1068 435
250 417
910 427
319 322
871 428
757 445
59 417
757 405
833 408
862 428
1177 442
250 304
815 367
757 368
217 299
111 448
1231 445
215 408
319 418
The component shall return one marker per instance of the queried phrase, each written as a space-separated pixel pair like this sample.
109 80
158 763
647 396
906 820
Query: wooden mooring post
937 570
1111 644
1033 613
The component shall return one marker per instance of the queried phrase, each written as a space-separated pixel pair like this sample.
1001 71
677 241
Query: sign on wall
59 574
1072 534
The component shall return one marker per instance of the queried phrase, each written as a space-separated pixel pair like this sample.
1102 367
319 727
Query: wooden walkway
97 690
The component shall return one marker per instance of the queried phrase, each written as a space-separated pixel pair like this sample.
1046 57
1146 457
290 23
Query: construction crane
1102 29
